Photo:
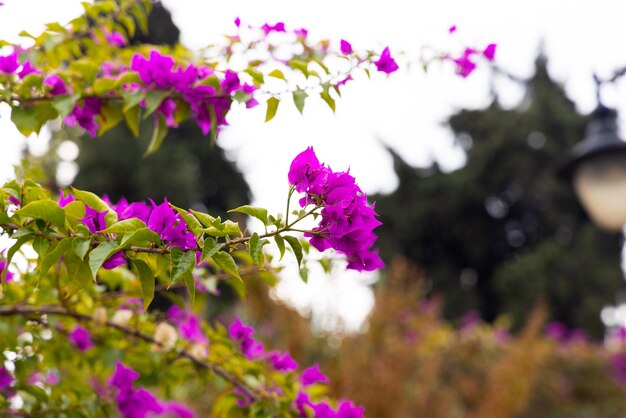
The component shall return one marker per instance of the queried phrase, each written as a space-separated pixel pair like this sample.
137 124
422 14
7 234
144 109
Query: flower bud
198 351
122 317
100 316
165 335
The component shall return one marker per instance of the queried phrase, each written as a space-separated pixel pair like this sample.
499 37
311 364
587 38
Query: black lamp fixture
597 168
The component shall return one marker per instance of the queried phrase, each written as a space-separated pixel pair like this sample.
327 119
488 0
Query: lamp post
597 168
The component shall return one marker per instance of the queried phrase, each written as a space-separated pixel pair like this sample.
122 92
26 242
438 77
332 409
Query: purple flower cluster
159 72
346 409
162 219
560 333
9 64
80 338
84 115
347 221
188 325
6 379
242 334
141 403
465 64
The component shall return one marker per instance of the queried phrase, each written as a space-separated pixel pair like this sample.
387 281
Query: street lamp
597 168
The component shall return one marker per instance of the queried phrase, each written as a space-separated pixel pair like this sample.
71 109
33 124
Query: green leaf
128 23
325 95
30 119
125 226
86 68
299 96
272 107
226 262
110 115
256 250
295 245
100 254
154 98
14 249
132 98
132 117
182 262
75 210
191 286
304 274
47 210
280 242
54 255
300 65
256 75
259 213
277 74
146 278
209 249
40 245
140 235
65 104
94 202
206 219
223 229
78 273
158 135
104 85
81 247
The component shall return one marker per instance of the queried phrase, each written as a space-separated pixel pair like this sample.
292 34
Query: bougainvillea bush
77 332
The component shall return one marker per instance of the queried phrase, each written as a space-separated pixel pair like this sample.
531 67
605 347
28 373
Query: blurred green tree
503 232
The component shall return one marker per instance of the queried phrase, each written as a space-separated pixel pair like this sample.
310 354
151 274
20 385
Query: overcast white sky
405 110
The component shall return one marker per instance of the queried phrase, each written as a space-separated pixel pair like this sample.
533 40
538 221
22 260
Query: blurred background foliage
502 237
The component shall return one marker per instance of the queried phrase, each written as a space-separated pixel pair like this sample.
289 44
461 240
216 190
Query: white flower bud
100 316
198 351
122 317
165 335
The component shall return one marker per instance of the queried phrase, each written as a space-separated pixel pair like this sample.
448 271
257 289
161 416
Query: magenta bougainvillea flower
278 27
170 226
301 33
27 69
65 200
114 261
386 63
452 29
3 266
242 334
56 84
9 63
346 48
84 115
80 338
464 64
188 325
490 52
116 38
141 403
282 362
348 221
94 220
313 375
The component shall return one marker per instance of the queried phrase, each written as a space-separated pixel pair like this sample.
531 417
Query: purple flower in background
346 48
9 63
452 29
81 338
348 409
244 399
177 408
313 375
282 362
85 115
3 266
242 334
27 68
301 33
65 200
123 377
490 52
302 400
6 379
322 410
14 200
114 261
557 331
56 84
94 220
617 362
386 63
188 325
278 27
237 22
464 65
116 38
